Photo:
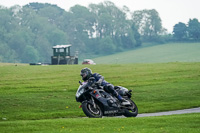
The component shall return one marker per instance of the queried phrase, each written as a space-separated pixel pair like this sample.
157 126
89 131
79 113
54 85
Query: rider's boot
123 101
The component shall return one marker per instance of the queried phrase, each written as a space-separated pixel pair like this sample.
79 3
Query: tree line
187 32
28 33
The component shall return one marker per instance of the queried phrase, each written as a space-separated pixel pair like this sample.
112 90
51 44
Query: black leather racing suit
99 79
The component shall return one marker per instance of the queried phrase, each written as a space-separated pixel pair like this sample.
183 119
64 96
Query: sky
171 12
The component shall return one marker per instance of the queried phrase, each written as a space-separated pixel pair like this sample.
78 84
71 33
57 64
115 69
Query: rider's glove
98 83
90 88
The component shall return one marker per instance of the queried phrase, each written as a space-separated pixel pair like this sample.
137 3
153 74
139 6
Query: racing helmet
86 73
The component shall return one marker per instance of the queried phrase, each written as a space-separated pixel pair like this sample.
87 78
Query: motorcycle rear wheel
133 111
90 111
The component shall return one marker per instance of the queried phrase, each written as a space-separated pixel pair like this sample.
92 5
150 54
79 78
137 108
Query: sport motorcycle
96 102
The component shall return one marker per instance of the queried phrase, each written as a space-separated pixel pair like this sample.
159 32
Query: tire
133 111
90 111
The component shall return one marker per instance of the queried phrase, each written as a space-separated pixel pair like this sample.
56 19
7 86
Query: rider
86 73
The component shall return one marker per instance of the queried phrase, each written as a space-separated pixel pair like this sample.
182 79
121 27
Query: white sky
171 11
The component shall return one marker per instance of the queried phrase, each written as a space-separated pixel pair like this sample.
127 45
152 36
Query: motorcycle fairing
108 106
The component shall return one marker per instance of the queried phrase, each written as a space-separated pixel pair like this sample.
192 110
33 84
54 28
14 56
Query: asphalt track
184 111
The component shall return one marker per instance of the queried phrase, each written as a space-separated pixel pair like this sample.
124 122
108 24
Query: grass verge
188 123
48 92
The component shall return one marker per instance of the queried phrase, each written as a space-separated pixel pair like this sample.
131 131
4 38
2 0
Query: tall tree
81 27
111 21
180 31
148 23
194 29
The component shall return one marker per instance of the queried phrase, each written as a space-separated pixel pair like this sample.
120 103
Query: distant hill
172 52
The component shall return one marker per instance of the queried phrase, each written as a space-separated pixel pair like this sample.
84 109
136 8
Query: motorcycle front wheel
132 110
91 111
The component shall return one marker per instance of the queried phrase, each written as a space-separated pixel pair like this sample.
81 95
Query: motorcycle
95 102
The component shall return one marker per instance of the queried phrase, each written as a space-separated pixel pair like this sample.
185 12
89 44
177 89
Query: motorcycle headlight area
80 92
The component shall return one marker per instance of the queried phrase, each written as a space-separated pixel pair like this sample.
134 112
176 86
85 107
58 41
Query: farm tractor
61 55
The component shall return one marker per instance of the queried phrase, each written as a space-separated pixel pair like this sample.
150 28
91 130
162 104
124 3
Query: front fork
93 103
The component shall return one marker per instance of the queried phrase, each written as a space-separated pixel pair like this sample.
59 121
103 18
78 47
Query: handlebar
80 83
91 83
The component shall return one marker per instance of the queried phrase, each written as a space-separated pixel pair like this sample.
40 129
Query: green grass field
42 98
173 52
186 123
